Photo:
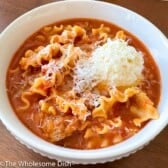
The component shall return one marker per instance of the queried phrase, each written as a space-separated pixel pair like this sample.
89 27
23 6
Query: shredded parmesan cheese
115 63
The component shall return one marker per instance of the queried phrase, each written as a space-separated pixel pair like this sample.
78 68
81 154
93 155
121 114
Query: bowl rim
83 154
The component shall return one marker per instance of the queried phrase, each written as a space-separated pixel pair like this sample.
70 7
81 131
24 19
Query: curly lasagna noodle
84 84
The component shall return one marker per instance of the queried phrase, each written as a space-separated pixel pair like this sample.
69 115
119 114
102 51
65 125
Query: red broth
47 124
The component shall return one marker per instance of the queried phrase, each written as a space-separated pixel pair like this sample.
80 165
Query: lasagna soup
84 84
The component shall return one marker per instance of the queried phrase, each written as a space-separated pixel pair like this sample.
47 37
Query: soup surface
83 84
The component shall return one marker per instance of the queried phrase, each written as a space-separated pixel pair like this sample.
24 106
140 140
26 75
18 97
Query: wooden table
154 155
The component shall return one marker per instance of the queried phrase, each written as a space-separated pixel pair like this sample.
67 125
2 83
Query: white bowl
15 34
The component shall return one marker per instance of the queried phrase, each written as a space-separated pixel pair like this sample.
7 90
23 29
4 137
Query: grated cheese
116 63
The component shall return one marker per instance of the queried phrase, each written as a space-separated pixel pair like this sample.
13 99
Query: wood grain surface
155 155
